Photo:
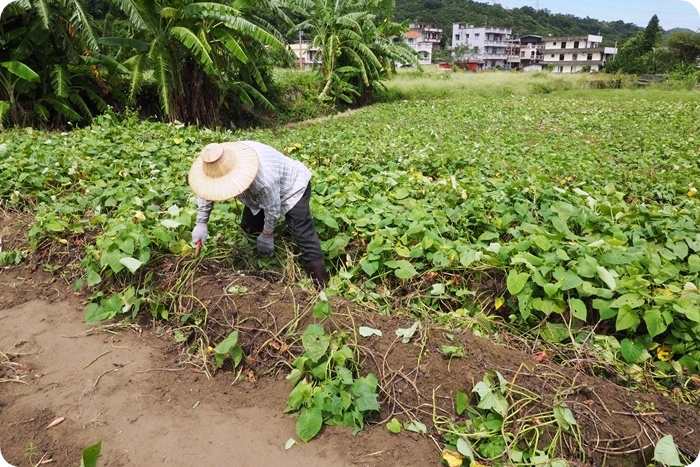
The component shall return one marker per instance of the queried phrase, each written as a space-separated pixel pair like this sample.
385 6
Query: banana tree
52 71
197 53
355 42
15 78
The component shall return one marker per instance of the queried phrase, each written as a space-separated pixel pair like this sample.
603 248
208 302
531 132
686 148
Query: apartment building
431 34
423 48
490 45
572 54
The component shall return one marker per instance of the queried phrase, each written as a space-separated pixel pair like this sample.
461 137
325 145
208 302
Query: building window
532 53
466 36
575 57
410 40
560 69
576 45
456 37
563 45
555 42
477 35
561 56
522 54
589 57
551 56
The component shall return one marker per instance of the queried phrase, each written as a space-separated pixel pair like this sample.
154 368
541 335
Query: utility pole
301 59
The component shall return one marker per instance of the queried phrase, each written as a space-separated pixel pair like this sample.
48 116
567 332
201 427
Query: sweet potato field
570 222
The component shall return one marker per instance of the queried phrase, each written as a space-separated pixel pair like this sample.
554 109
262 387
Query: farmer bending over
270 185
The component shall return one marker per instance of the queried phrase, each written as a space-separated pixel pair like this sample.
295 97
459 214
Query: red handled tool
197 247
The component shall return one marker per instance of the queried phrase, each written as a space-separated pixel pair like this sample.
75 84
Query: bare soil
151 401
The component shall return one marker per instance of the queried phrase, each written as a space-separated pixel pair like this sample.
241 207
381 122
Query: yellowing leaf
453 459
666 292
664 353
498 303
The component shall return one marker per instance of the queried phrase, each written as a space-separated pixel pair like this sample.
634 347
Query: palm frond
79 103
60 80
132 11
106 61
169 12
244 89
31 39
41 110
359 67
44 12
82 21
63 107
230 17
96 99
127 42
21 70
231 44
160 60
195 46
4 111
139 67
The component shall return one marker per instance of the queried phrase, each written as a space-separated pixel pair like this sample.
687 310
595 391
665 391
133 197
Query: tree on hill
653 34
685 46
647 52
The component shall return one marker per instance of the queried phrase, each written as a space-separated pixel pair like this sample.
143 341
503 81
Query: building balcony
574 62
551 50
490 29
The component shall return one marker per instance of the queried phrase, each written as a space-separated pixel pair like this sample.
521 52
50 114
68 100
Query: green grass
431 83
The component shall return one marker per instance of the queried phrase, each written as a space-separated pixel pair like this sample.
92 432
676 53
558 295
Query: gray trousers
300 223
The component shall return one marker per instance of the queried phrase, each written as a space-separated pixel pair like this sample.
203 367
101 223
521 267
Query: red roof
413 34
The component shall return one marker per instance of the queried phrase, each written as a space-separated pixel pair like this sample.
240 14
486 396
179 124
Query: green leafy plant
30 452
508 422
327 389
90 455
228 348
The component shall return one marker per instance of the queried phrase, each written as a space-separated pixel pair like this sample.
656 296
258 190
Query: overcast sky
671 13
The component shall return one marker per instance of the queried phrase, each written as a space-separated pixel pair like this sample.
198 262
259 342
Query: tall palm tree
354 41
197 53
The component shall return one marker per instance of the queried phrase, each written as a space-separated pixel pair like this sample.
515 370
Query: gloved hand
266 244
200 233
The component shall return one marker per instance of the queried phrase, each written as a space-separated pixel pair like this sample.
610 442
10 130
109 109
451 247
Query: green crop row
586 208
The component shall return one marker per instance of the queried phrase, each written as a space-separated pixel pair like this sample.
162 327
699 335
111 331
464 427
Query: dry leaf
453 459
58 421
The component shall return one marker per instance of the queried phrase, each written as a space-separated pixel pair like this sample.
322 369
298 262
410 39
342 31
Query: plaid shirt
277 187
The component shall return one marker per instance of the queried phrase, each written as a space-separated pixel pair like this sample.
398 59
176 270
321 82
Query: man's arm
204 208
270 202
201 230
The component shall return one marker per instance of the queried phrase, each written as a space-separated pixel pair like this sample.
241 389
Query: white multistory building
571 54
489 44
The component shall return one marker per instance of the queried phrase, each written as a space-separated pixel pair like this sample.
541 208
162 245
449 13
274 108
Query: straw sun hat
222 171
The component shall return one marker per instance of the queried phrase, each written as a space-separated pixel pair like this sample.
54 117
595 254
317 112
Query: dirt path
118 387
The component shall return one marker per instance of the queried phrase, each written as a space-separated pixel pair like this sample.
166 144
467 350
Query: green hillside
522 21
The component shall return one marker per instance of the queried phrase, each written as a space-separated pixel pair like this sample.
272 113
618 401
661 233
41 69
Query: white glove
200 233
